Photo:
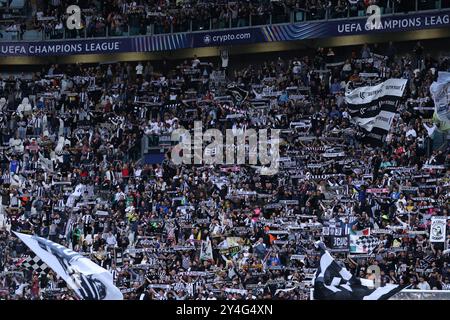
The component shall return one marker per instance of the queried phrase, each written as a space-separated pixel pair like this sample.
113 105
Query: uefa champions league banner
235 36
95 46
64 47
321 29
227 37
88 280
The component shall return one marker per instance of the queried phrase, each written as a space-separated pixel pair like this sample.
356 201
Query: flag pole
409 219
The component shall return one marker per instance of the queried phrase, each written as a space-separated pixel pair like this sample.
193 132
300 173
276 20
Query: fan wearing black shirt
362 222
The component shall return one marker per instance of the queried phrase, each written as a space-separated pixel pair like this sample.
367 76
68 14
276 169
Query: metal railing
413 294
294 16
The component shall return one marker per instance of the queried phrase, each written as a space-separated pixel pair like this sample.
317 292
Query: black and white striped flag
334 282
87 279
373 108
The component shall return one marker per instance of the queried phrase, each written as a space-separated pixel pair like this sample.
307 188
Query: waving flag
87 279
33 263
373 108
362 242
239 95
440 91
334 282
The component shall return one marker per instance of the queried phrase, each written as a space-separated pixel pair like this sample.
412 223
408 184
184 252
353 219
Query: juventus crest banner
438 229
87 279
373 107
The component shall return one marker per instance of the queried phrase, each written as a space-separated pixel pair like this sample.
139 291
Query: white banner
390 87
438 229
206 252
383 120
440 91
333 154
87 279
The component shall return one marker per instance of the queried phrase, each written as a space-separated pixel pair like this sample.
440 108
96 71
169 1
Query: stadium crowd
72 171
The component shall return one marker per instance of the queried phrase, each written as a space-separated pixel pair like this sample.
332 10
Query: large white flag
440 91
87 279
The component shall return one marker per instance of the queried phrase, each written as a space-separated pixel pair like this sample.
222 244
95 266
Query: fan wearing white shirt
430 129
411 133
423 285
111 239
139 69
119 195
195 62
